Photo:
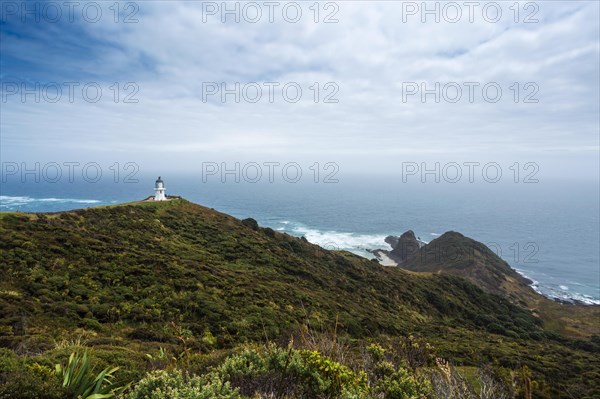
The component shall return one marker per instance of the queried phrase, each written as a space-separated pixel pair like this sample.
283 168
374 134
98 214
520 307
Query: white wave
435 234
562 293
573 297
335 240
12 201
20 200
76 201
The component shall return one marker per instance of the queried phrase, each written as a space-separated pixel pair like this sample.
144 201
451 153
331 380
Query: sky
368 85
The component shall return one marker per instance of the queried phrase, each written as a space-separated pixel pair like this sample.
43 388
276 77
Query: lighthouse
159 190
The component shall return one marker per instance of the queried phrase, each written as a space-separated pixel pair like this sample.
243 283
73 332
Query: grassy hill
457 255
132 278
453 253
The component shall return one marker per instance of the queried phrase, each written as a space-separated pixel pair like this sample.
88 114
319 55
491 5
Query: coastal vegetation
175 300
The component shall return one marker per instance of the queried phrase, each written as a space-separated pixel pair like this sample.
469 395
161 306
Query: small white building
159 190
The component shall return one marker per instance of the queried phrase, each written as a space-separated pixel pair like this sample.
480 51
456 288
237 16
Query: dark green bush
249 222
269 231
25 380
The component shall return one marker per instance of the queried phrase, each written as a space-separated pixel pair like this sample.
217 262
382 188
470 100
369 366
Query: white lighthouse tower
159 190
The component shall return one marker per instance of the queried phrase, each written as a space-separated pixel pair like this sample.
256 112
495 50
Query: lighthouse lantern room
159 190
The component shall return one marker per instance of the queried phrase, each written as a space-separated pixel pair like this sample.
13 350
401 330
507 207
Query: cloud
369 56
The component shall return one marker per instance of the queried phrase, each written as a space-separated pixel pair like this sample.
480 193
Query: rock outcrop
392 240
406 246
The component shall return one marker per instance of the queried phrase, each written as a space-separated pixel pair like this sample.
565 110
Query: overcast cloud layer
371 55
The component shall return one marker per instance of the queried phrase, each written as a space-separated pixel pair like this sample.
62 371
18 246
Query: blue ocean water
547 231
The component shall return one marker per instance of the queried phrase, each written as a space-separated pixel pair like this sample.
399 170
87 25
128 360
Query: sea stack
405 247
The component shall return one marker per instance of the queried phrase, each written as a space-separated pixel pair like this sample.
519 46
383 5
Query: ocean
547 231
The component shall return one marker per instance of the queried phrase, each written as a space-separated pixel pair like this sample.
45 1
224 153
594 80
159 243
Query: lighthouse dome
159 183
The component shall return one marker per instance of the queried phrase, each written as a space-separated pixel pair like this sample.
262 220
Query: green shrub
269 231
389 378
400 384
209 339
249 222
286 373
19 380
291 373
497 328
92 324
176 385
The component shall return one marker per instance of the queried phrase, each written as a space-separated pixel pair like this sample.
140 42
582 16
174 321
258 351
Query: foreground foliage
284 373
80 382
394 368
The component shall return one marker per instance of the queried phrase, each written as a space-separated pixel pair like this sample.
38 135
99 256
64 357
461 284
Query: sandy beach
385 260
